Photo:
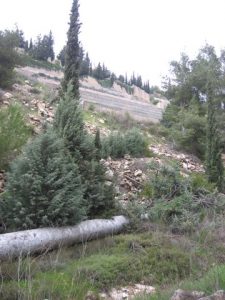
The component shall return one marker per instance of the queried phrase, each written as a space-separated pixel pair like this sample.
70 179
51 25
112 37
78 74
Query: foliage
14 133
9 58
191 85
189 132
181 203
69 125
43 187
61 56
28 60
73 52
85 67
136 144
117 145
42 49
214 163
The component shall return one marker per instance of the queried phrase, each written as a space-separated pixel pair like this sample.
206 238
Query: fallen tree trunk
26 242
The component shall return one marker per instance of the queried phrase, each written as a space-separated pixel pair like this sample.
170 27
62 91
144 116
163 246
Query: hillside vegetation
60 164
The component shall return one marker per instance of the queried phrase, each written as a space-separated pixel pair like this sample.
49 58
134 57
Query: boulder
109 175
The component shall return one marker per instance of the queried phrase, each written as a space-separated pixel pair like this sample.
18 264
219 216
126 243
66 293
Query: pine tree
43 187
31 45
72 59
51 53
214 164
85 66
69 123
62 55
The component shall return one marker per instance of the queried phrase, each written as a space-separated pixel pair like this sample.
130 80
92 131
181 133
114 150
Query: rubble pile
128 175
43 112
92 129
129 292
188 162
195 295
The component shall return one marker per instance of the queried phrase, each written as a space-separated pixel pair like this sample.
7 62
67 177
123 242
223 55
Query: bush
136 144
166 183
182 203
117 145
43 187
13 133
114 146
187 129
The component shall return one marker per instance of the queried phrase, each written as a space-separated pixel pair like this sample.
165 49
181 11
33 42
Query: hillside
115 98
170 244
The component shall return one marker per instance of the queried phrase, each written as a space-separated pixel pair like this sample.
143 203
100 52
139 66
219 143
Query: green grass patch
27 60
154 258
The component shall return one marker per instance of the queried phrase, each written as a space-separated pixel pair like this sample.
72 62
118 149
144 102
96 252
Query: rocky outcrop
189 163
129 292
128 173
195 295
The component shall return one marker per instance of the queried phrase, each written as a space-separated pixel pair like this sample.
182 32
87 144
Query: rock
101 121
41 108
109 175
8 96
5 102
219 295
108 183
138 173
91 296
127 157
129 292
186 295
185 166
146 289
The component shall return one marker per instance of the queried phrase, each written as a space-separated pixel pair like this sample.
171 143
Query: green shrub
117 144
187 129
166 183
182 203
43 187
136 144
114 146
13 133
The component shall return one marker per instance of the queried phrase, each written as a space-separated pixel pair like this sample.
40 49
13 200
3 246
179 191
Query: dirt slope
92 92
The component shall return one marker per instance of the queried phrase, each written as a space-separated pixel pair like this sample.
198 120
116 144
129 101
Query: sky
127 35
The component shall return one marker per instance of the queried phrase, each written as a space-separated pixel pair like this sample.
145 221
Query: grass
27 60
14 132
154 258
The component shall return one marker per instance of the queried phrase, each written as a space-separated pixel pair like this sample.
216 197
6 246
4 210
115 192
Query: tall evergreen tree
62 55
72 58
214 163
69 125
9 57
85 66
51 53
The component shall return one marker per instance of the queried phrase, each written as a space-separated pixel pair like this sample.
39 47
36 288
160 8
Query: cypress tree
69 125
72 57
214 164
